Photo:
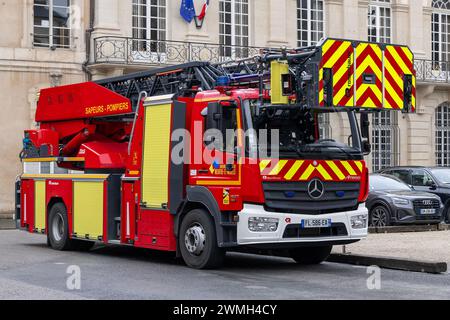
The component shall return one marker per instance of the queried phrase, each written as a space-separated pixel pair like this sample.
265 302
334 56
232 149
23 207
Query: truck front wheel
311 255
198 242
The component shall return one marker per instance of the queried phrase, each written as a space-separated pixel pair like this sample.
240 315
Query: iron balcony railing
432 71
129 51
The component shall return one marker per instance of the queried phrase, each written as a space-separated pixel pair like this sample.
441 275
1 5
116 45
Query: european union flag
187 10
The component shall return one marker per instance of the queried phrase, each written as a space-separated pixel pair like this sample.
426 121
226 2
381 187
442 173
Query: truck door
221 155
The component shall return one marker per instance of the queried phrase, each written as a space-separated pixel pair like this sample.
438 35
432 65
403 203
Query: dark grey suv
391 202
434 179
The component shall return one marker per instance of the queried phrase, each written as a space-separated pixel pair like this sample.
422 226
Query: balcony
433 72
135 52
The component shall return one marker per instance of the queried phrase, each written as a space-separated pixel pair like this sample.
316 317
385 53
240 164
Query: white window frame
379 6
385 127
51 27
149 49
441 10
442 138
310 23
237 49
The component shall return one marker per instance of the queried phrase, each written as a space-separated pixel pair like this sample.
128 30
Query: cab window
403 175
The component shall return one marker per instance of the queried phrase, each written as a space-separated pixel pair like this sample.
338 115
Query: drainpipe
88 38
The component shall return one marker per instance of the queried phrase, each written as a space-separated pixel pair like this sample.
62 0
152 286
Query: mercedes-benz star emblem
316 189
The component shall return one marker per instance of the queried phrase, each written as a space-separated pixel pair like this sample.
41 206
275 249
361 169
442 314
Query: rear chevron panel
338 55
369 64
366 75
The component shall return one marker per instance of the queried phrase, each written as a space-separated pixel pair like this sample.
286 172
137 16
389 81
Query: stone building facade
51 42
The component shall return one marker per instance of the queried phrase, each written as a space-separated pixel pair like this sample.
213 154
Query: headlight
359 222
400 201
260 224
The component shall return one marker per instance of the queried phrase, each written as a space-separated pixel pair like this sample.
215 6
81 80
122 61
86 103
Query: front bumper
247 237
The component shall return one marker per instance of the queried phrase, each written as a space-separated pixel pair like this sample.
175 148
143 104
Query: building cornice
398 7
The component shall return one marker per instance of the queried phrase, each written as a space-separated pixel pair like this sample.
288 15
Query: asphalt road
30 270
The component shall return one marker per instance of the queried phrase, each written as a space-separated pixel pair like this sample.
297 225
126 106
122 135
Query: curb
412 228
390 263
7 224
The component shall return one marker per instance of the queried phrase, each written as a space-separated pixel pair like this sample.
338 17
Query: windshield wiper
347 153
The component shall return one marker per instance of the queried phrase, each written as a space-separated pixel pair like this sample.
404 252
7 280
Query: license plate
428 211
316 223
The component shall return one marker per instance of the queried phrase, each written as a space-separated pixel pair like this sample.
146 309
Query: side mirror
367 147
433 186
214 116
365 126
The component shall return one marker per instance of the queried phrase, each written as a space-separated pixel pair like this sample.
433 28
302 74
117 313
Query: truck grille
293 197
296 231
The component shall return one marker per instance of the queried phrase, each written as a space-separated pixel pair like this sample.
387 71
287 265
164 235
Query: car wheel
447 214
198 242
380 216
58 228
310 255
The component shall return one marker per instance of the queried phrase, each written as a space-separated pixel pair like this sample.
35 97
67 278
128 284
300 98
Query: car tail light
364 192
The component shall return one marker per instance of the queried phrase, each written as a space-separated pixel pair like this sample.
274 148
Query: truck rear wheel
198 242
58 228
310 255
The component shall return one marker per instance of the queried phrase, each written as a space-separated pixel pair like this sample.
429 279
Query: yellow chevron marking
338 54
326 46
394 95
293 170
399 60
336 170
308 172
280 165
324 173
368 63
263 165
362 89
343 72
359 165
349 168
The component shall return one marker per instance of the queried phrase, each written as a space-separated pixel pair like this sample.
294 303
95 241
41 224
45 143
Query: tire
58 228
197 241
380 216
310 255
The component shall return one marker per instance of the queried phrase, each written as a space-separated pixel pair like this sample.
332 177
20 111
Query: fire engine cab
199 159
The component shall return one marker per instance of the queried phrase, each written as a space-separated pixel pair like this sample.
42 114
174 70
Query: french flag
204 10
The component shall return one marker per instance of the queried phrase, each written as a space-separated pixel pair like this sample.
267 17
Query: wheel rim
379 217
58 227
195 239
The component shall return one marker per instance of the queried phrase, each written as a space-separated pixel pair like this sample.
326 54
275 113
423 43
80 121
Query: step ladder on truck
101 166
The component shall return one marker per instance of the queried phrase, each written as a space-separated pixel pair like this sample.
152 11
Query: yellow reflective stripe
359 165
307 173
326 46
399 60
338 54
263 164
324 173
349 168
294 170
336 170
280 165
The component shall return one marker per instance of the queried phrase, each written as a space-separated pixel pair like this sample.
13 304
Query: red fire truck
136 160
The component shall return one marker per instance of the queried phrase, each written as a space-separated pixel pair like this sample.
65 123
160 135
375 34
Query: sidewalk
7 224
423 246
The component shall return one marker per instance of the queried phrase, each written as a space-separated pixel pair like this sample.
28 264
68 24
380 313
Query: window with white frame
310 22
384 140
149 25
442 124
440 29
234 28
51 26
380 21
324 126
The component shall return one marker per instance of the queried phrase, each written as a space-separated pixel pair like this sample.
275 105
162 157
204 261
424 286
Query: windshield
380 183
296 133
443 175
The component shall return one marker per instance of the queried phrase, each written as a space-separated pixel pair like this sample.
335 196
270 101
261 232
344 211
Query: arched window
380 21
385 134
310 22
440 28
442 123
